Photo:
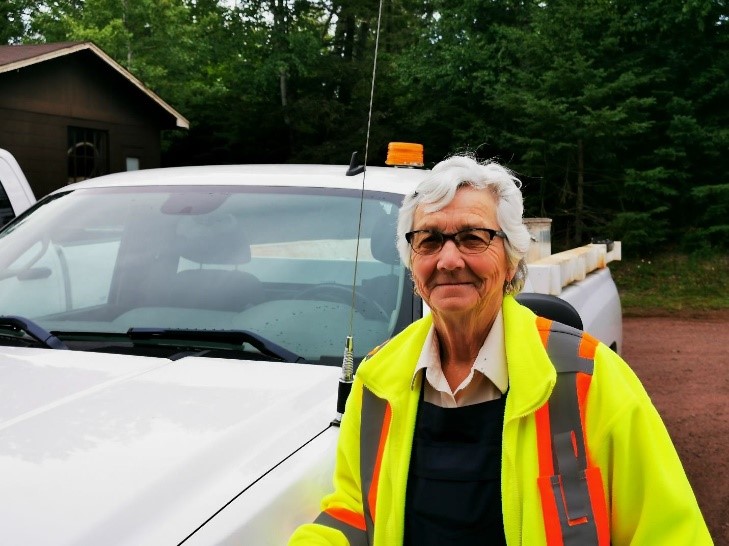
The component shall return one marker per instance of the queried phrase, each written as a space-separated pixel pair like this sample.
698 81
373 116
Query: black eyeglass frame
444 237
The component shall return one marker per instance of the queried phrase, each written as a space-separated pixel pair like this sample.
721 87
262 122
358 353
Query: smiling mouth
447 284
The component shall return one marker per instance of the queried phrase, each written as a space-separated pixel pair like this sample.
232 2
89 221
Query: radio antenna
347 376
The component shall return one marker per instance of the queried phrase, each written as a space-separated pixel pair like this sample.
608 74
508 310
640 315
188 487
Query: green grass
672 282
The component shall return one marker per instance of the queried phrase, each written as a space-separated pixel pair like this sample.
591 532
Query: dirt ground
683 362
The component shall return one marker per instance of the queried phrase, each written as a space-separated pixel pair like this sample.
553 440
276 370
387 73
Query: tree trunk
125 10
282 84
580 205
280 45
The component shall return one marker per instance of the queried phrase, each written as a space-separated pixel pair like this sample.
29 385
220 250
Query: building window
87 153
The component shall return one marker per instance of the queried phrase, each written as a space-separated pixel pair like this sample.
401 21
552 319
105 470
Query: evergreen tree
612 111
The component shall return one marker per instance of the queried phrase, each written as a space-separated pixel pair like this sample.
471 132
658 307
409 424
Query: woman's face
454 283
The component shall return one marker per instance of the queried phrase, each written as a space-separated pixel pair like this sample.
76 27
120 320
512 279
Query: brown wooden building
68 112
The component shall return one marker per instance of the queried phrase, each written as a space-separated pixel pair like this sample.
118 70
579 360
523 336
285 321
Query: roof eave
180 120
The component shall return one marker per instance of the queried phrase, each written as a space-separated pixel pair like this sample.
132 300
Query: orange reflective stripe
592 473
347 516
570 485
588 344
544 326
544 441
546 469
376 415
350 524
552 527
353 519
599 506
372 494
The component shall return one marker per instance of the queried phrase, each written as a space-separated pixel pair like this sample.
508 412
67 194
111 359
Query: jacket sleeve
649 496
341 521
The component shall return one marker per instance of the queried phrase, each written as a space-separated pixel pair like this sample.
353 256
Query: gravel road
683 362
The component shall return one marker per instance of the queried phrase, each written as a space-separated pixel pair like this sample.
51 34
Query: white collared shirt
487 380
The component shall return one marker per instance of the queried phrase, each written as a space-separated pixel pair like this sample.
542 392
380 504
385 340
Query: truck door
15 193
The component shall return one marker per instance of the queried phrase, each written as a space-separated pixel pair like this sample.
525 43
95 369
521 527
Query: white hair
439 188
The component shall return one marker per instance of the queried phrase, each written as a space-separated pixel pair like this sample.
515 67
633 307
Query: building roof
14 57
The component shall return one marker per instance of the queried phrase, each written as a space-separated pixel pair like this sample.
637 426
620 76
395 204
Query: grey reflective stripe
569 484
353 535
563 349
372 421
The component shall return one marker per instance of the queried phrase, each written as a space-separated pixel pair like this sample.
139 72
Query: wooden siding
39 102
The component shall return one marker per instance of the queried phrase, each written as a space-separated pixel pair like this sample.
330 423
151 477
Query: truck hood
114 449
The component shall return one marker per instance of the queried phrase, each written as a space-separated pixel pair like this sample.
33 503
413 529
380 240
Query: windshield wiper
236 337
33 330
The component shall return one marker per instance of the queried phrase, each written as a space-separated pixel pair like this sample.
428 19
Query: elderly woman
446 437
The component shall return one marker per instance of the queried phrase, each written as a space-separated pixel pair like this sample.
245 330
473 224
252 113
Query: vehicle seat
214 243
551 307
216 289
384 289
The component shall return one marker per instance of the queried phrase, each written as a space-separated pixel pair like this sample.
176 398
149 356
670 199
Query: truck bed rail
549 275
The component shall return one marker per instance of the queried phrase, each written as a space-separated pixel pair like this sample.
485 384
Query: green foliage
711 230
643 230
613 112
12 25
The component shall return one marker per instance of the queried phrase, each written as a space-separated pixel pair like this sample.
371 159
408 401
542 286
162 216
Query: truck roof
386 179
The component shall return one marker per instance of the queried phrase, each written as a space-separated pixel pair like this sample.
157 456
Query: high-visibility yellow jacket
649 499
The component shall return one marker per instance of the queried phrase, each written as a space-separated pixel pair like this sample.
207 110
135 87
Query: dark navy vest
454 484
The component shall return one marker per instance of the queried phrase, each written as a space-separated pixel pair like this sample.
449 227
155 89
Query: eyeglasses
468 241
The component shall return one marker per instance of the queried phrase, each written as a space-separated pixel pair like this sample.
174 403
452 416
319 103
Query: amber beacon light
404 154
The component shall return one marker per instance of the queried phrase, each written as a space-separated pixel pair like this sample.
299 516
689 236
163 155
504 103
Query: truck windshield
278 262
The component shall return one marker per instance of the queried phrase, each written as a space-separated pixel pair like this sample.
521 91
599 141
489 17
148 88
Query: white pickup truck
15 193
171 343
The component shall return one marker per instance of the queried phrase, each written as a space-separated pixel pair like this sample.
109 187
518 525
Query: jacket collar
531 373
532 376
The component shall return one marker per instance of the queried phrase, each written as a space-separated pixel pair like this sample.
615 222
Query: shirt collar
490 361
